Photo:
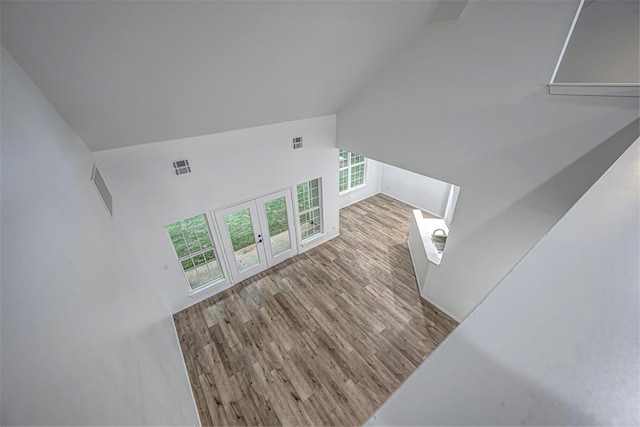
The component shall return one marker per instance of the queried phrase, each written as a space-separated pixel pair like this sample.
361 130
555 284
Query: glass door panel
242 234
276 218
242 239
278 224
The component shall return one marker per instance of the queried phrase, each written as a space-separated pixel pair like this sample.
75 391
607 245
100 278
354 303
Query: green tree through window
193 244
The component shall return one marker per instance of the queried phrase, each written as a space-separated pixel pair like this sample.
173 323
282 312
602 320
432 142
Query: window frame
214 247
319 208
349 168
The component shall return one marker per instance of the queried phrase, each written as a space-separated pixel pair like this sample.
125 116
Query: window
193 244
309 209
352 171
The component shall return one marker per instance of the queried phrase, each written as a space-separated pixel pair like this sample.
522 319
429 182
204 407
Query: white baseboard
410 204
439 307
316 242
360 198
207 293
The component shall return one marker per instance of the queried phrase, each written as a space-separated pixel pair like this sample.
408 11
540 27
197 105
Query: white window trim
294 191
348 168
215 245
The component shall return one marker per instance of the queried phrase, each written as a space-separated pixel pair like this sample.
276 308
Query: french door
275 213
257 234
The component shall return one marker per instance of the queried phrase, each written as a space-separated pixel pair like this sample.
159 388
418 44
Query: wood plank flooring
321 339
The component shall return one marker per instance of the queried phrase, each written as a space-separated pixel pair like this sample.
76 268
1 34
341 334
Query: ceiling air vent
297 142
103 191
181 167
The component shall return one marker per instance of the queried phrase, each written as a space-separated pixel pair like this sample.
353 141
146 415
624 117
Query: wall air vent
297 142
181 167
101 187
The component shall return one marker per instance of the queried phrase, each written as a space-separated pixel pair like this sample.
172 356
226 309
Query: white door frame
261 234
227 245
278 258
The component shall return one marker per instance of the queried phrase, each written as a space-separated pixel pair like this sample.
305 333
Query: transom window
352 170
310 209
193 244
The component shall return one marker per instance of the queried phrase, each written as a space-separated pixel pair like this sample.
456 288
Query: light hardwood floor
321 339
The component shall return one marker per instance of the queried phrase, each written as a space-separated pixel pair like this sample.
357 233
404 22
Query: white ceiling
125 73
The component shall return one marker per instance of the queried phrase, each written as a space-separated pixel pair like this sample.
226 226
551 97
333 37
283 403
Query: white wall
604 45
466 102
227 168
428 194
558 341
85 338
421 191
452 202
371 188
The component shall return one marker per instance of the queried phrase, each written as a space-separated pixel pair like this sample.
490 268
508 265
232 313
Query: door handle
259 238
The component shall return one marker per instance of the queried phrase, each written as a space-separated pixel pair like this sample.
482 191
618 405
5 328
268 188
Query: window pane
202 232
191 224
204 276
210 270
314 194
276 212
280 238
314 202
175 233
205 242
240 229
187 264
356 158
182 249
343 180
343 159
190 236
308 195
310 223
192 278
209 255
303 196
192 241
357 175
309 208
214 270
243 240
198 260
196 227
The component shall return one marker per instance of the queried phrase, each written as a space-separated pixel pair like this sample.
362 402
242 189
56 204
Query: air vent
297 142
103 191
181 167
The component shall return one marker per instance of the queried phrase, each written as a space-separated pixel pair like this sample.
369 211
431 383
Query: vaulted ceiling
125 73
